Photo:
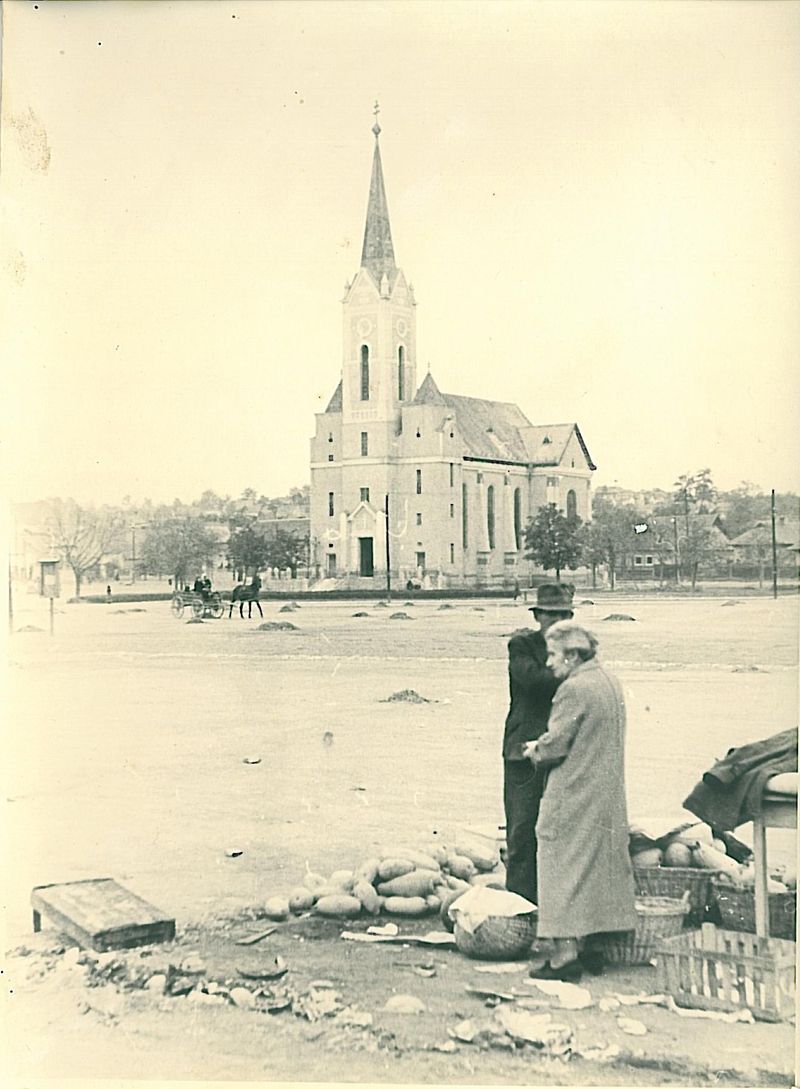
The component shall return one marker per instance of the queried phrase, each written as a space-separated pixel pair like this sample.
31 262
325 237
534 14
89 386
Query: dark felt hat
554 597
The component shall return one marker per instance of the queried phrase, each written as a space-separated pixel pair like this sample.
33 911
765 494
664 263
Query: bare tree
82 536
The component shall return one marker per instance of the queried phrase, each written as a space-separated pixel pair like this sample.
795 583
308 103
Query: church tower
379 329
354 454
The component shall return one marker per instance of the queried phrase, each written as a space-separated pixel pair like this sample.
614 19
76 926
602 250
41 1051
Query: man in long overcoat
585 878
531 689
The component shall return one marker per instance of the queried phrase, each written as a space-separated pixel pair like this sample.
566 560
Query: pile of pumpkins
397 881
698 847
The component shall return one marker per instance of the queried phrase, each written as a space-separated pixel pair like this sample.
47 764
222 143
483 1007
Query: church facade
460 475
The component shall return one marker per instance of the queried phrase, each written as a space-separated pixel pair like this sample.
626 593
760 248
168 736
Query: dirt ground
130 732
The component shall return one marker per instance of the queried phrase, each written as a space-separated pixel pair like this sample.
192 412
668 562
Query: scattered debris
240 996
407 695
194 620
253 939
277 625
599 1053
608 1003
448 1047
632 1027
641 999
233 852
192 965
478 609
411 603
29 627
503 967
427 971
489 992
569 995
360 614
445 605
275 970
252 760
405 1003
533 1028
465 1031
391 930
619 616
400 616
748 669
586 601
434 937
327 738
356 1018
381 604
743 1015
731 602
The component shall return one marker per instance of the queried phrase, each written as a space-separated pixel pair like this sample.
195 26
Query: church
460 476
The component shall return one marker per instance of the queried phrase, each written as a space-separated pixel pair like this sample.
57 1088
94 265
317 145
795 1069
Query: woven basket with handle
657 918
498 937
673 882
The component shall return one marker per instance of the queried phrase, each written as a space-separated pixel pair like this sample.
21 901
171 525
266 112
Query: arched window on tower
517 518
364 372
572 504
401 373
490 514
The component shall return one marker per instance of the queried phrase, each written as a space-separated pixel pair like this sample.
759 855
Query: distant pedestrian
108 594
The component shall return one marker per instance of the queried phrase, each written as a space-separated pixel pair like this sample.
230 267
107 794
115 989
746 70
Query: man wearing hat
532 687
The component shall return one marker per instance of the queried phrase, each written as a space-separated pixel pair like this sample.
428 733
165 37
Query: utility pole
388 556
677 554
774 550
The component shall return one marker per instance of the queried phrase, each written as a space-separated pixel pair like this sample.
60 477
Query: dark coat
531 688
585 876
731 793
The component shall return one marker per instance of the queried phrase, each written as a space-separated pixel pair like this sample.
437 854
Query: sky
597 204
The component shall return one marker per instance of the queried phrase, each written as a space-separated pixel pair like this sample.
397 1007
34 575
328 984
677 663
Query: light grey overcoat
585 876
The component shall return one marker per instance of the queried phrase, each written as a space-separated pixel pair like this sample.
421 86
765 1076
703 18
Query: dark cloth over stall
731 792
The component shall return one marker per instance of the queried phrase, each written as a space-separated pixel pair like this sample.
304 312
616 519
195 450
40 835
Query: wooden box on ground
99 914
737 909
714 969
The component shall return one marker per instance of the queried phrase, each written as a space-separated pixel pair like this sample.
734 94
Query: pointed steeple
377 253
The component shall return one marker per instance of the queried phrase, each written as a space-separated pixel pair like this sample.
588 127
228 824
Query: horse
242 594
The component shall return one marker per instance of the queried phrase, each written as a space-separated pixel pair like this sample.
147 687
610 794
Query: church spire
377 253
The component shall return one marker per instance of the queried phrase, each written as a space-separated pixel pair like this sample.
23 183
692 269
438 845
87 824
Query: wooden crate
99 914
714 969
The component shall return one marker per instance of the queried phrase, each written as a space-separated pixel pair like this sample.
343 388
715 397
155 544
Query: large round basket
673 882
657 917
498 937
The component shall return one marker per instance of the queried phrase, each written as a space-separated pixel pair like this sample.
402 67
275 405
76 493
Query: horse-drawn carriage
201 605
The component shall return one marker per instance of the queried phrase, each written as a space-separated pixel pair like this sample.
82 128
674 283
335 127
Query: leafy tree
553 540
248 549
287 549
695 545
180 545
612 534
82 536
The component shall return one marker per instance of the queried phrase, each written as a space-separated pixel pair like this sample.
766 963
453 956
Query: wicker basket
657 918
713 969
498 937
674 881
737 909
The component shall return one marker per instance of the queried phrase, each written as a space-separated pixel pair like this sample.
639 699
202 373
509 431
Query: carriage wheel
197 610
177 606
215 606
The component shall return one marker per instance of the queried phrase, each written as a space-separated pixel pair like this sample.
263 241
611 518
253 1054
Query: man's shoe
571 972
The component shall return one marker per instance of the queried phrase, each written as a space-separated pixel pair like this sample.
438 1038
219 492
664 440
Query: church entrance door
366 564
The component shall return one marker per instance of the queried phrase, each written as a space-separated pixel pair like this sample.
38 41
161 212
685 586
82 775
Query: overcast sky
597 204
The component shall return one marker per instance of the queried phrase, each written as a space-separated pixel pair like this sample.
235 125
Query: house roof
500 430
787 534
335 403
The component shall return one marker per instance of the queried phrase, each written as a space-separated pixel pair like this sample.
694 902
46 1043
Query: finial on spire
376 127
